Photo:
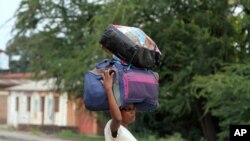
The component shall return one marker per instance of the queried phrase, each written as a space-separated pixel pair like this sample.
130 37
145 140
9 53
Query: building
6 81
34 103
38 103
3 106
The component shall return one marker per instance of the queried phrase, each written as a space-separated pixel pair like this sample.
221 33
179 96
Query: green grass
70 135
80 137
36 131
174 137
7 128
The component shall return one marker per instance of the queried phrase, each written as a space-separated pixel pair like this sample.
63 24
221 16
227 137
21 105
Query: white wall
34 116
49 110
56 118
23 116
61 116
12 114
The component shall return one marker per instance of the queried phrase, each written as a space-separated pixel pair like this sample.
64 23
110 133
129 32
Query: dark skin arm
113 107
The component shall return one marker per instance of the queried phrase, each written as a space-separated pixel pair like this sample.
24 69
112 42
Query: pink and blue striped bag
131 85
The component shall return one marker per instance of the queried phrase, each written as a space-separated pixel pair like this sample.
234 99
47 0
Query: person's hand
107 80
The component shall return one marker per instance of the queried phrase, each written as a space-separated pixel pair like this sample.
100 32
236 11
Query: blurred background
47 46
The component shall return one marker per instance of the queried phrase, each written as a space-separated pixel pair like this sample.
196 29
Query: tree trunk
207 123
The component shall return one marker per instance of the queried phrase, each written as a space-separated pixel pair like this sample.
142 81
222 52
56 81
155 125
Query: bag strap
106 63
127 67
130 62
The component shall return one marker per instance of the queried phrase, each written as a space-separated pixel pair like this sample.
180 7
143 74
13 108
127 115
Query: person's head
128 113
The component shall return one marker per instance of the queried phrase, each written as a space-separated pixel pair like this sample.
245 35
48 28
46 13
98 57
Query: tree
226 91
52 37
198 39
227 95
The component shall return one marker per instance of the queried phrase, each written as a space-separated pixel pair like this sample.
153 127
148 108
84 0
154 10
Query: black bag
132 46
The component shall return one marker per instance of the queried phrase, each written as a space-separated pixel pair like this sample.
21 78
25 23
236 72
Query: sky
7 10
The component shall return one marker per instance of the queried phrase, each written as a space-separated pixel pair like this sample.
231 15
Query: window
42 103
28 103
56 104
17 104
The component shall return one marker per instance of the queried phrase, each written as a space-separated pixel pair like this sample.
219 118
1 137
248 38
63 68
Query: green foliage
57 41
204 82
70 135
227 95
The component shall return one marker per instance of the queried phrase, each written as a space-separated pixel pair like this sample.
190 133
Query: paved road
26 136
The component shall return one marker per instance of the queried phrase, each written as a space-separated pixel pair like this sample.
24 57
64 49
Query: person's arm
113 107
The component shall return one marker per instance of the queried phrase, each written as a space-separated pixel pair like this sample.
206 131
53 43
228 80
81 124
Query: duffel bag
130 85
131 45
94 95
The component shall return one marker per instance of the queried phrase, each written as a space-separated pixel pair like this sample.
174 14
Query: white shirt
122 134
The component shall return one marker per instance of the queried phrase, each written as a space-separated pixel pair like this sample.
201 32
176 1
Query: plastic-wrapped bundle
131 45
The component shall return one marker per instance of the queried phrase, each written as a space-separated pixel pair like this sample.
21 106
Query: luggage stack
134 56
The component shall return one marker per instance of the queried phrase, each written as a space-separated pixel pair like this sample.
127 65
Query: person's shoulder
108 124
109 121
